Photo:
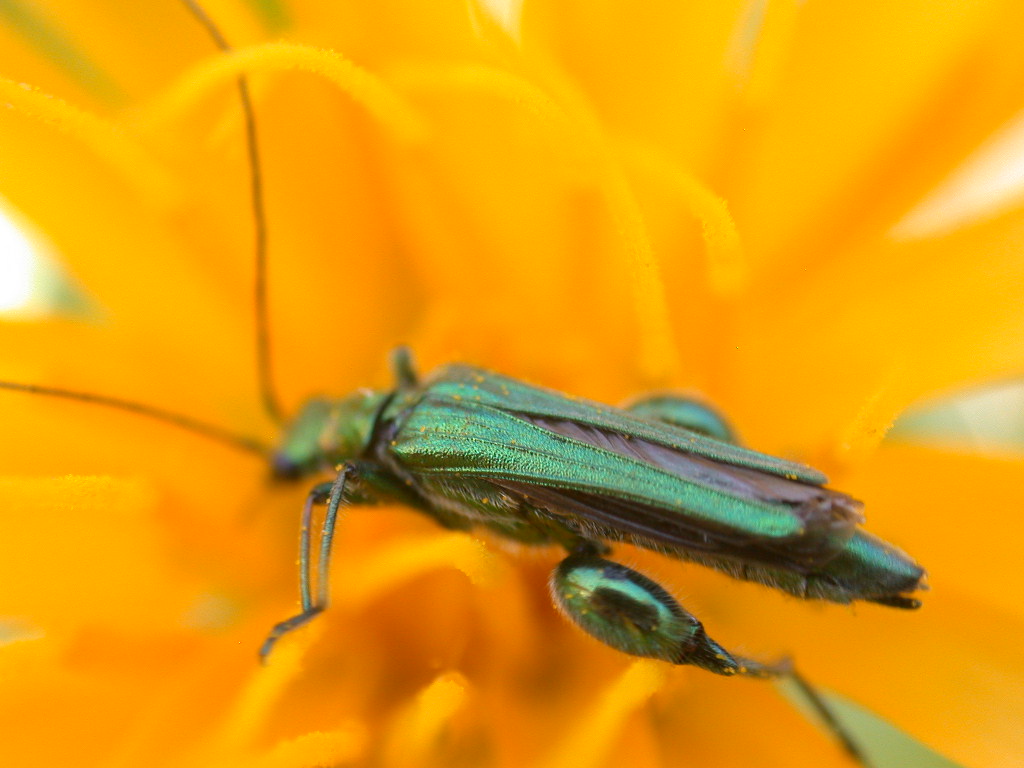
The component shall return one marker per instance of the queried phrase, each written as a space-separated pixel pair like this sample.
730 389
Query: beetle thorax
326 433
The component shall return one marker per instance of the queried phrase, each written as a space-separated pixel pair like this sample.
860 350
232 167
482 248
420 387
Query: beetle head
326 433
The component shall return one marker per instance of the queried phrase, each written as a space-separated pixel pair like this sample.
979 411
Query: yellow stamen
580 136
727 266
380 100
415 733
403 560
588 742
257 698
873 420
98 136
493 82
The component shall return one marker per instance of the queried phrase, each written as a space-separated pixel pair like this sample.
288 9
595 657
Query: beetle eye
284 468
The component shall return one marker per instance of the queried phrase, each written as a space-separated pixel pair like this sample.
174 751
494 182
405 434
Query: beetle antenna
268 394
211 431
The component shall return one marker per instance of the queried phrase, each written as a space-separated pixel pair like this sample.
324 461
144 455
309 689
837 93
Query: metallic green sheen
326 433
865 568
468 438
685 413
473 449
623 608
469 384
867 559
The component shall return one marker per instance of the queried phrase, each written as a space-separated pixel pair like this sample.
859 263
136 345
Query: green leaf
883 744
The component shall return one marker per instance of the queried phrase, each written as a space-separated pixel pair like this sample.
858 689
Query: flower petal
910 318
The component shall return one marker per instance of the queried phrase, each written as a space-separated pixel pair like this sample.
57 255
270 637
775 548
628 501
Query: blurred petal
855 93
915 318
947 508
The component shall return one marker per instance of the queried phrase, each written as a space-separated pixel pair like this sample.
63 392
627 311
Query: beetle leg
320 494
588 548
688 413
334 494
401 364
634 614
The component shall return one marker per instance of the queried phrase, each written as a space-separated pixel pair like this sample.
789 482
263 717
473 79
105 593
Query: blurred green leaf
989 418
883 744
273 14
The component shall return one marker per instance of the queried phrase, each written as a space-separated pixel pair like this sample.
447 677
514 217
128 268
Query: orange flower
689 195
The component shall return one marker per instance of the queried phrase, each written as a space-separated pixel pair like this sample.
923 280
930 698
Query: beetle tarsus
334 494
284 627
897 601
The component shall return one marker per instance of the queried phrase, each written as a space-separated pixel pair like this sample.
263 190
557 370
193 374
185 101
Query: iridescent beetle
474 449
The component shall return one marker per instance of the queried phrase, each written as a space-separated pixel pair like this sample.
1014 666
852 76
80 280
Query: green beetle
474 449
